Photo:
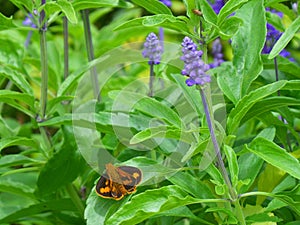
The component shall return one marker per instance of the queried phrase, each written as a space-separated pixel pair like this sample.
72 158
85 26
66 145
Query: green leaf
244 105
62 168
285 38
209 14
269 104
16 77
89 4
52 205
167 21
27 4
232 164
13 95
67 8
6 23
155 7
163 132
20 184
229 27
15 160
158 201
247 45
13 141
276 156
149 106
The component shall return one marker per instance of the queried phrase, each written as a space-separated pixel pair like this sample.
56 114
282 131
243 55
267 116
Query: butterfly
118 181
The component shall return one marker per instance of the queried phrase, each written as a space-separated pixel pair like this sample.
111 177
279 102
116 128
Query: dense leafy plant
215 134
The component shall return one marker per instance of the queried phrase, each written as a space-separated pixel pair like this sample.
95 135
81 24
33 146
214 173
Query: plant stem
75 198
220 162
151 79
66 47
44 65
90 52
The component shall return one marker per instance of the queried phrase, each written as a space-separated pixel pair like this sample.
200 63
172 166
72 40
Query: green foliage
50 164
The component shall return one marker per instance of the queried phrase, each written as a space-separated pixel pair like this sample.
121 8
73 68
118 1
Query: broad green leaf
20 184
15 160
163 132
13 95
158 201
127 101
62 168
68 10
89 4
16 77
250 164
154 6
166 21
285 38
209 14
14 141
247 45
228 9
32 210
244 105
265 218
6 23
275 155
269 104
193 185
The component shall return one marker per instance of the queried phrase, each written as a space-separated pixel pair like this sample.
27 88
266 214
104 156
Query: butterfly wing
131 176
104 186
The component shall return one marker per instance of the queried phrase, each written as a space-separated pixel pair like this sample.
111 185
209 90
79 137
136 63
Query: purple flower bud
194 67
152 49
28 21
167 2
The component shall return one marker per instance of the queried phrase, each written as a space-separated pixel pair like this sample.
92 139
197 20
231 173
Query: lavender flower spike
152 49
167 2
194 67
217 54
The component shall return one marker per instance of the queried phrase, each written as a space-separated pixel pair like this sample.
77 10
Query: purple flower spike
152 49
28 21
217 53
167 2
217 5
194 67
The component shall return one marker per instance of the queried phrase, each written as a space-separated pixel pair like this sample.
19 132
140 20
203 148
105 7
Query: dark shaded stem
44 64
151 79
220 162
66 47
90 52
278 94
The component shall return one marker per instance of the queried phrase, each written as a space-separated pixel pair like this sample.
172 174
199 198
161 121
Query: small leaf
90 4
232 164
68 10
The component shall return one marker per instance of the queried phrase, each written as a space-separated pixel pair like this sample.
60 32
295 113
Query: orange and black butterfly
118 181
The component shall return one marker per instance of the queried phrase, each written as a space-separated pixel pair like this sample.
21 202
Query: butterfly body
118 181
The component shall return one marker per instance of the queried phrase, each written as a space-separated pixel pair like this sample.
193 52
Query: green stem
75 198
151 79
90 52
66 47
